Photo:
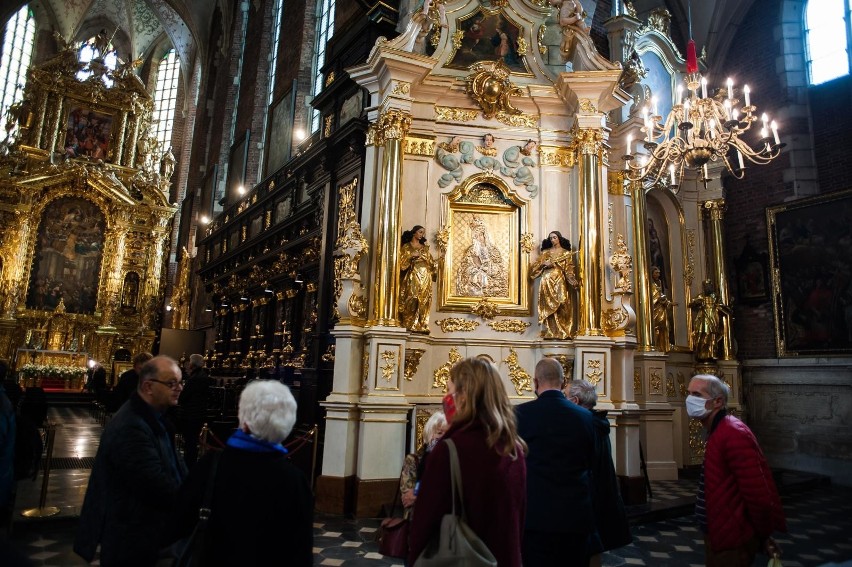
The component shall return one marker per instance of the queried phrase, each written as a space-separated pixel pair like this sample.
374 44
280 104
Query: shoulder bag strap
456 477
205 510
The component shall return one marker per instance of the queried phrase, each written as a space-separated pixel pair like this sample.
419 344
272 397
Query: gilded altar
84 215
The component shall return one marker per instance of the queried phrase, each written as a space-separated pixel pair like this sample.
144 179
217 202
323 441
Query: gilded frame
76 107
810 257
484 204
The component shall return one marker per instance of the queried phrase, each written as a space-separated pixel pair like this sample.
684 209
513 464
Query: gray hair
435 422
268 409
585 393
196 361
715 387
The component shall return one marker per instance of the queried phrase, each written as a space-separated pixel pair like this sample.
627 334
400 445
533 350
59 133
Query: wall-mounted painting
280 135
88 133
811 253
67 261
488 37
237 165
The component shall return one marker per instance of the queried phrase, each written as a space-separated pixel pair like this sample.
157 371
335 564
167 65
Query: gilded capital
588 141
393 124
715 209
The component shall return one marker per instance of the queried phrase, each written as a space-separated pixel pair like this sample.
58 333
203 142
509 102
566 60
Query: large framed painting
237 165
88 133
67 261
487 36
483 258
280 135
810 245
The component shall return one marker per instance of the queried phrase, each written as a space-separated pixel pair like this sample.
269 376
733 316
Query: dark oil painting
488 37
67 260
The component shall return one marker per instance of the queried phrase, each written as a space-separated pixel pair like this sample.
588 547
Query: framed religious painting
87 133
280 134
810 249
484 222
487 35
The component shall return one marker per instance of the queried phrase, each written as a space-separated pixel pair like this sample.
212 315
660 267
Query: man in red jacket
738 506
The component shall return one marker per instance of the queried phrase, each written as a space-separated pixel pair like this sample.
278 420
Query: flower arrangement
51 371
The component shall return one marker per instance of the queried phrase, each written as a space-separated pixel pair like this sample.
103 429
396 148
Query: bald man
561 440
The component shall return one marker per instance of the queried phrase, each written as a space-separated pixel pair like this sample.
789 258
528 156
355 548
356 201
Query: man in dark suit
136 476
128 381
561 440
193 406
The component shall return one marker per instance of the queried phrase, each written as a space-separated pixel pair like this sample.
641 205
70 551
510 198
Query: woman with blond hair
492 464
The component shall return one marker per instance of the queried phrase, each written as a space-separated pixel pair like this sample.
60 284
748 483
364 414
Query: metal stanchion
314 433
45 511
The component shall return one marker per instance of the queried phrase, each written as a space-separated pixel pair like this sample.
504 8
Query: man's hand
408 498
771 548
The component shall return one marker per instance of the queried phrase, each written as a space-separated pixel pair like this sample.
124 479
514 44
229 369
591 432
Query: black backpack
28 449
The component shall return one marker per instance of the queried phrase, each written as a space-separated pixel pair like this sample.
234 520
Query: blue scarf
247 442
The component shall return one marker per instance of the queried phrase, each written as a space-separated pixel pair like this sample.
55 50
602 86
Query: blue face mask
696 407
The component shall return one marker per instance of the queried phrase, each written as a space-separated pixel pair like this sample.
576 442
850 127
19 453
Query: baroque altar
84 215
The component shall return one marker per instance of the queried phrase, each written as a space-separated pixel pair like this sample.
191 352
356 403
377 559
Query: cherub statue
572 20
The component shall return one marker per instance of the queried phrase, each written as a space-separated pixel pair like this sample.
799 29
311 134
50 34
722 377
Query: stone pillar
715 210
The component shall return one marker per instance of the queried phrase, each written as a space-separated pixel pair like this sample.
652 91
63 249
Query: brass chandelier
699 130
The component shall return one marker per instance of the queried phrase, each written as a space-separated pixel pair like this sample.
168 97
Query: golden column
715 210
644 318
588 145
391 128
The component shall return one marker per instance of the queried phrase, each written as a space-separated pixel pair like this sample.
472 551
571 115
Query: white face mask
696 407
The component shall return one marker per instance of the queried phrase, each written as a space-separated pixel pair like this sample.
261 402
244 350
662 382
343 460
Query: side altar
84 215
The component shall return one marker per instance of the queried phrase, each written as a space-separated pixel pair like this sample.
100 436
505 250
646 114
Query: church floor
819 517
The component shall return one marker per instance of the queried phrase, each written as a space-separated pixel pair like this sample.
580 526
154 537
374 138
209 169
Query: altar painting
67 260
88 133
488 37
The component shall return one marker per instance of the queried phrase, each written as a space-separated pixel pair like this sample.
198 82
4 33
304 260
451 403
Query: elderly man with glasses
136 476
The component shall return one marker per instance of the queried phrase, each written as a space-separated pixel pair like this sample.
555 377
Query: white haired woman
415 463
262 508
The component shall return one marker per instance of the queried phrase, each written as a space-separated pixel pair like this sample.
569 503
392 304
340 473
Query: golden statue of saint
660 305
706 323
558 287
417 270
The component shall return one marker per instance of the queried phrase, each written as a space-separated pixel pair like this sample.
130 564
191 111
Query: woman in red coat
491 459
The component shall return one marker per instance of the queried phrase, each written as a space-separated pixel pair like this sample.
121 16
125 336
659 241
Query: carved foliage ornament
452 324
520 378
393 124
442 374
490 87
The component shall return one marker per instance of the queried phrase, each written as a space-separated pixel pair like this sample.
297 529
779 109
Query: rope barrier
292 447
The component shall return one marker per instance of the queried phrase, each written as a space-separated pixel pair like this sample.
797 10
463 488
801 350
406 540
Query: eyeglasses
172 384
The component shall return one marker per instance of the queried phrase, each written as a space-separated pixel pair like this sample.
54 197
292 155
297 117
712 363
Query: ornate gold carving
401 88
389 367
442 239
588 107
329 78
458 37
349 248
372 138
689 270
358 306
556 156
490 87
587 141
486 309
365 367
670 386
660 19
393 124
520 120
452 114
681 384
328 355
453 324
696 442
522 46
622 263
567 365
412 361
637 381
615 182
656 382
442 374
614 320
527 242
542 48
594 371
520 378
418 146
715 209
329 121
509 326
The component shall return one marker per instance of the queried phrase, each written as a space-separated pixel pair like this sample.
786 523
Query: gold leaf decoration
486 309
442 374
509 325
452 114
520 378
453 324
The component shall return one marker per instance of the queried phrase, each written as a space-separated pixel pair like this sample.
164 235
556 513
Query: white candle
764 118
629 142
705 171
727 105
746 92
774 126
654 102
736 115
730 88
672 173
679 93
711 127
703 87
740 160
763 134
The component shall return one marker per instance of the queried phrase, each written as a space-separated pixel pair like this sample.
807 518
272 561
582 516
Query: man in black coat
193 406
561 440
127 382
136 476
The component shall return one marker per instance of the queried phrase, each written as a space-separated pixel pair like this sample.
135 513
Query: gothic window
325 29
17 52
165 98
827 36
97 47
273 55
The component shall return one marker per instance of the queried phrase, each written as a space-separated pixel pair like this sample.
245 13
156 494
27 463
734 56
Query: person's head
195 361
655 273
480 395
582 393
435 428
555 237
159 382
549 375
267 410
488 139
708 287
140 359
708 395
417 234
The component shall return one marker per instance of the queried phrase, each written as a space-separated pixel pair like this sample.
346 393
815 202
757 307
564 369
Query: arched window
165 98
827 33
93 49
17 54
325 29
273 56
